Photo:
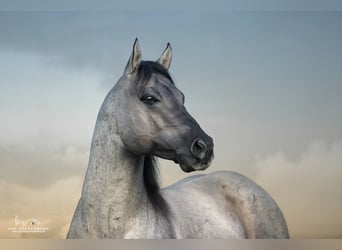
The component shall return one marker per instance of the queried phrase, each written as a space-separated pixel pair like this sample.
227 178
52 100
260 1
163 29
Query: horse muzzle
200 158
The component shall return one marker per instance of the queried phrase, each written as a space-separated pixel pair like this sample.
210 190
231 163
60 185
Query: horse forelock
147 69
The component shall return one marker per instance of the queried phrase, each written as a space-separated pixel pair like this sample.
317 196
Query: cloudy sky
267 86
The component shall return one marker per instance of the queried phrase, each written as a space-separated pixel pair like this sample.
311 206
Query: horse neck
113 187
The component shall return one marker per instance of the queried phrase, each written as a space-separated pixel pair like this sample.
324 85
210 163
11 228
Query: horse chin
184 164
187 167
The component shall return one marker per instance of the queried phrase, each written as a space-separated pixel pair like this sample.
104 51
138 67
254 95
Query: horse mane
151 181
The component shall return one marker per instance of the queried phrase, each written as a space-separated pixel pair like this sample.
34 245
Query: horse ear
165 58
134 60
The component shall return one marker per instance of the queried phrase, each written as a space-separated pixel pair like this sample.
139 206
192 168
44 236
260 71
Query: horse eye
149 99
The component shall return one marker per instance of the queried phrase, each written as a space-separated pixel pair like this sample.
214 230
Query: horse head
152 117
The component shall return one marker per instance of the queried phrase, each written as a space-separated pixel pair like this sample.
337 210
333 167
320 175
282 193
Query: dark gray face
154 120
179 137
157 123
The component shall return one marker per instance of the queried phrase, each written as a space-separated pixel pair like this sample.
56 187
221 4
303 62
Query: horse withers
143 117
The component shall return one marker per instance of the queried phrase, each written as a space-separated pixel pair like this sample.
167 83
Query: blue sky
266 85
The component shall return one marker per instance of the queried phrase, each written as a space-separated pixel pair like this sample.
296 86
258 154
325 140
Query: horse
143 117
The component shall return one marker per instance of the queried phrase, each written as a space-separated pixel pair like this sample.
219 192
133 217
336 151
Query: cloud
76 39
53 207
101 41
48 114
307 190
40 168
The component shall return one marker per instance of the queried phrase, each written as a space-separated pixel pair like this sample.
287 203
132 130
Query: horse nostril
199 148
